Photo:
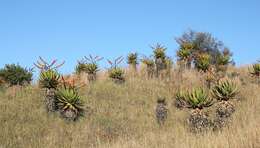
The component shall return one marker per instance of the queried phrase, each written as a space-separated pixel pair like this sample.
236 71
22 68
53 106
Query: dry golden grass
122 116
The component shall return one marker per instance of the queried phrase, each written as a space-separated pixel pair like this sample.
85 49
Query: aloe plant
223 59
198 99
223 92
49 79
160 58
202 62
255 72
169 64
116 73
210 77
150 66
132 60
180 99
80 68
184 55
90 66
161 111
69 103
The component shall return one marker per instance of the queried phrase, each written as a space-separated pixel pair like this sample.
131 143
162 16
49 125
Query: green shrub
14 74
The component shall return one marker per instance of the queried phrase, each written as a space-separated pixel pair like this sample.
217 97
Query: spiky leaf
49 79
69 99
225 90
198 98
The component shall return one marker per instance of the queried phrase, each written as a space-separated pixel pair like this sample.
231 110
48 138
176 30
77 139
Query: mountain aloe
90 66
161 111
184 55
255 72
132 60
202 62
197 100
150 66
49 79
116 73
69 103
180 99
223 59
223 92
160 58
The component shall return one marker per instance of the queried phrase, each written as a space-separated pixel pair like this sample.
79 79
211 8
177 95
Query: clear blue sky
69 29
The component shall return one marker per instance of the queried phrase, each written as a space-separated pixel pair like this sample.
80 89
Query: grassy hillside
122 116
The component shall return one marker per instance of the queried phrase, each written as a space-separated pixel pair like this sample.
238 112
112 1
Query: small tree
14 74
204 42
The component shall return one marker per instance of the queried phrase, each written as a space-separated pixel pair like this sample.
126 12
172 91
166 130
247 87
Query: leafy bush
14 74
